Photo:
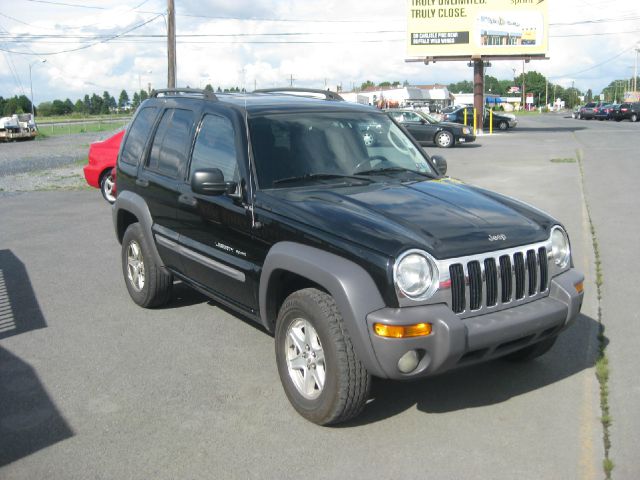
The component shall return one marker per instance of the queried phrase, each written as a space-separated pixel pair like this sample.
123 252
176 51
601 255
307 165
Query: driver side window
215 147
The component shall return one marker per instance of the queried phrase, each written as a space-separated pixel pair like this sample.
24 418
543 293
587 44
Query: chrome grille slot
491 276
457 288
518 261
532 269
475 285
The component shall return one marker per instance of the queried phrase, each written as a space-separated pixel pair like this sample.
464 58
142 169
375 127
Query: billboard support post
478 94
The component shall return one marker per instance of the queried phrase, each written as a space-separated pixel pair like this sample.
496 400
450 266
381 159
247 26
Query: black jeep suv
361 260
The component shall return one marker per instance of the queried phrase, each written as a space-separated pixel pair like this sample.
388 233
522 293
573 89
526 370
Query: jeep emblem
499 236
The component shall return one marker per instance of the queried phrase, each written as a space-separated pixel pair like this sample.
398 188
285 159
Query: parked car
102 159
589 110
361 260
427 130
501 121
630 111
604 112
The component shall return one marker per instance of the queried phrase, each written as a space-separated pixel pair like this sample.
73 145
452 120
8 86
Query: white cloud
346 57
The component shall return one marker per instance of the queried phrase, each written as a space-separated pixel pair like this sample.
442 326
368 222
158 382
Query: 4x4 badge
499 236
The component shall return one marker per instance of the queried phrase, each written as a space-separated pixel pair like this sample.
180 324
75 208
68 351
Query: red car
102 160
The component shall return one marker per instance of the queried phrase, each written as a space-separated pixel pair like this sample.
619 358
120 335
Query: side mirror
210 181
440 163
423 121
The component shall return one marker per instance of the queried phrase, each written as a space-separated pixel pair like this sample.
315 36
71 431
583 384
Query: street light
33 116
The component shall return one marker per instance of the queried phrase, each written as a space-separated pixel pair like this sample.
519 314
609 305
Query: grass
563 160
46 131
79 116
602 363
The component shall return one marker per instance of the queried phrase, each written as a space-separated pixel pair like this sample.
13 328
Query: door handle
142 182
187 200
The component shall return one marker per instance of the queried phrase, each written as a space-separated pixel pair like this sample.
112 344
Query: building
435 97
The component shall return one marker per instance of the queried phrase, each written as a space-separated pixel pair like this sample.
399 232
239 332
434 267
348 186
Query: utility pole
291 79
635 72
524 97
478 94
171 45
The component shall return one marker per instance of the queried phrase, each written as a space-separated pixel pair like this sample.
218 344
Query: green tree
96 104
208 88
68 106
464 86
45 109
135 102
78 107
123 101
367 84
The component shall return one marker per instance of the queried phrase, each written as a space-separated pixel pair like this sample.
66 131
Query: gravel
52 163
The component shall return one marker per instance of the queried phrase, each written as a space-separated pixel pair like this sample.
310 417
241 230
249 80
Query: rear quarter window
138 135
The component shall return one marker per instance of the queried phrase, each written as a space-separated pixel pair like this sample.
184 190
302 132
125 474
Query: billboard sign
477 27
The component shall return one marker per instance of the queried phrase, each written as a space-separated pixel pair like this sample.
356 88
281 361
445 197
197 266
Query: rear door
418 127
160 177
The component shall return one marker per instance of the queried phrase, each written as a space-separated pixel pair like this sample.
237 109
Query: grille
494 281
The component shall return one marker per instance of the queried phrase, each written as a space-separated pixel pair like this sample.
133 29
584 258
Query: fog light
408 362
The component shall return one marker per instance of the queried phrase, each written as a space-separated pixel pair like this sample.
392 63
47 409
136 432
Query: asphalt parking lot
92 386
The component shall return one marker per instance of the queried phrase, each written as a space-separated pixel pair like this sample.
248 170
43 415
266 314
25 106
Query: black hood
444 217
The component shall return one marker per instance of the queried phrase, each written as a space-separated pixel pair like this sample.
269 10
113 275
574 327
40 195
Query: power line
89 45
575 74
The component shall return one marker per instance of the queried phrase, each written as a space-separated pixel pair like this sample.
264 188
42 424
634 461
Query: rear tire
320 372
106 186
148 284
532 351
634 117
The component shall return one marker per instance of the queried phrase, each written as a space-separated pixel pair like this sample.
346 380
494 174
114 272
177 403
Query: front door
215 231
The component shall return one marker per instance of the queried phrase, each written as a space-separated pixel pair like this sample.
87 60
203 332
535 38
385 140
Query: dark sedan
501 120
426 129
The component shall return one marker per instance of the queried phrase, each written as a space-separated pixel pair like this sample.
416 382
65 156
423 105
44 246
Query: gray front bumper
455 342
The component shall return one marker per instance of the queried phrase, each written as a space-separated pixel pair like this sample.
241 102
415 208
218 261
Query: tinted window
215 147
171 144
138 134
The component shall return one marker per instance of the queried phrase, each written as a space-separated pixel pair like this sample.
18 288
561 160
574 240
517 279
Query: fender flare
352 288
134 204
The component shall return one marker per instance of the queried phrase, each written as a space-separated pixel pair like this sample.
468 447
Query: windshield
331 146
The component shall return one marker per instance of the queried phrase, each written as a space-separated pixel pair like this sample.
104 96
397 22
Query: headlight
466 131
560 249
415 275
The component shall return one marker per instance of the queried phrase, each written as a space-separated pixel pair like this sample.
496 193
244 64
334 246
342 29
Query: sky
73 47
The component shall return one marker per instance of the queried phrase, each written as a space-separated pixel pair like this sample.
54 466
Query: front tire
319 370
148 284
444 139
634 117
503 125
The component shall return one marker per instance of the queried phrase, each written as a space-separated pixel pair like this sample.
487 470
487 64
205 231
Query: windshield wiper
318 176
382 170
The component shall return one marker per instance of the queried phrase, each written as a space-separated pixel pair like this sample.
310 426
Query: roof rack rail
166 92
329 95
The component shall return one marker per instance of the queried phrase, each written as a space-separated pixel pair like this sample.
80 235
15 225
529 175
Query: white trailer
16 127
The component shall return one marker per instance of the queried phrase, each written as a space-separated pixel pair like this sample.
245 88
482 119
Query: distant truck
18 127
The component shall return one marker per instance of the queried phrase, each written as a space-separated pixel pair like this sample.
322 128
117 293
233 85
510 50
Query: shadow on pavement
29 420
486 384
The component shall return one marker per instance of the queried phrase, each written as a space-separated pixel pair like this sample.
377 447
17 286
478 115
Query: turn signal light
579 287
402 331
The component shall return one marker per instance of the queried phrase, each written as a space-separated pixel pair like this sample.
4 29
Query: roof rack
329 95
166 92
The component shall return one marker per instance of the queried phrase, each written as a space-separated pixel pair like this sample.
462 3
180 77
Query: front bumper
466 138
456 342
